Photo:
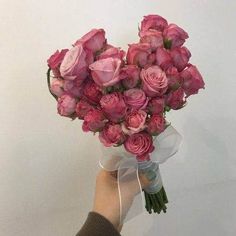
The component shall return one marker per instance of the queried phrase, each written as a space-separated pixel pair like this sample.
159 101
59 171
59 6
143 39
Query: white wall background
48 166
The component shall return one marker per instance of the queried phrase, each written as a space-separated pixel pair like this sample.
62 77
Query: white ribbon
117 158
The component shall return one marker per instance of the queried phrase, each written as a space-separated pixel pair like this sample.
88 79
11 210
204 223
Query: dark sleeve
97 225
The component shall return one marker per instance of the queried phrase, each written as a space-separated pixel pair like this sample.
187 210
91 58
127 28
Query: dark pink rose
55 60
130 76
156 105
112 52
56 87
140 144
193 80
92 92
94 121
163 58
74 87
156 124
82 108
175 34
154 81
138 54
111 135
66 105
113 106
180 57
153 37
105 72
74 64
151 59
134 122
153 22
174 78
135 98
93 40
175 99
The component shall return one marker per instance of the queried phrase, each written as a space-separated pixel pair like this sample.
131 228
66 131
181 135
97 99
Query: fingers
144 181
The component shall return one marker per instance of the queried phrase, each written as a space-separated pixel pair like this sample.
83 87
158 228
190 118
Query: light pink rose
134 122
140 144
180 57
82 108
154 81
193 80
156 105
163 58
153 22
94 40
174 78
130 76
66 105
175 34
112 52
74 64
138 54
92 92
175 99
156 124
153 37
94 121
135 98
105 72
56 87
113 106
74 87
111 135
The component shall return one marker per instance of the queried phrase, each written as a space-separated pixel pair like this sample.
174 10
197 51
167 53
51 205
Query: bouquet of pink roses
124 97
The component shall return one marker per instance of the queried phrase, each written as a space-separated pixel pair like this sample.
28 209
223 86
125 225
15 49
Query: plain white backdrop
48 165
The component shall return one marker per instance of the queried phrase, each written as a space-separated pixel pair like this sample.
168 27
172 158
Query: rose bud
153 22
154 81
56 87
193 80
163 58
156 105
82 108
113 106
135 98
112 134
175 99
138 54
74 64
174 78
93 40
130 76
134 122
156 124
105 72
153 37
112 52
140 144
66 105
92 92
180 57
94 121
175 35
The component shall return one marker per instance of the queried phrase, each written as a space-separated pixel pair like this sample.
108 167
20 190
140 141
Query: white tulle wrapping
117 158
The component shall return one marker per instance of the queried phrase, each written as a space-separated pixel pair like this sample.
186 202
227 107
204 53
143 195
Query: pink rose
82 108
74 64
175 35
175 99
56 87
156 124
111 135
92 92
153 37
193 80
154 81
66 105
130 76
55 60
151 59
163 58
156 105
135 98
94 121
94 40
112 52
134 122
138 54
140 144
74 87
174 79
105 72
180 57
113 106
153 22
